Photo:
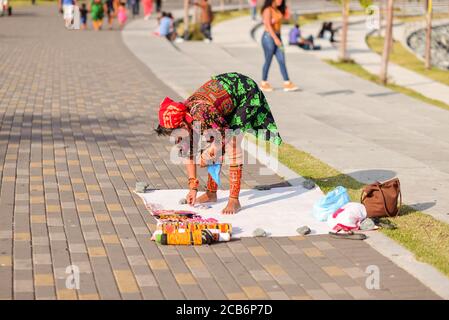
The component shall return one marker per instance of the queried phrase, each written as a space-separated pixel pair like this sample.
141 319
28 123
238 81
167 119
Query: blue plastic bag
330 203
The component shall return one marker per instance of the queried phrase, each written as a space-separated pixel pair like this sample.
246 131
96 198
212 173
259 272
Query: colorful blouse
233 101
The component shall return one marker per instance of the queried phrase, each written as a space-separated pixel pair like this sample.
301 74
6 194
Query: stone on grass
304 230
308 184
259 233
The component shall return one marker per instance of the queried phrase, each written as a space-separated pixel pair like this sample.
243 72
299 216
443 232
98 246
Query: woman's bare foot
207 197
232 207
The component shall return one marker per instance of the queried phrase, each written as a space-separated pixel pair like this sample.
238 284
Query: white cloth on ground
279 211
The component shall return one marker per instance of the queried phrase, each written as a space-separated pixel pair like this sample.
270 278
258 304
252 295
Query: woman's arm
267 16
191 168
191 173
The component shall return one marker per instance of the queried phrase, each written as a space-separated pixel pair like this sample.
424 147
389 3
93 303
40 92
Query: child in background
83 16
253 9
97 9
122 15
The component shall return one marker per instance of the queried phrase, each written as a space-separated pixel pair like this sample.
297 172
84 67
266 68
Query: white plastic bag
347 217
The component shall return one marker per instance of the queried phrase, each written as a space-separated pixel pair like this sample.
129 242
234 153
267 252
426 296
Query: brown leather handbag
382 199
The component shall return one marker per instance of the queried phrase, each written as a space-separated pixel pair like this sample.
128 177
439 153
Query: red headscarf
171 114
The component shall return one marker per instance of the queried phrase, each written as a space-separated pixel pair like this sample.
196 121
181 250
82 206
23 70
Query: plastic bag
330 203
347 217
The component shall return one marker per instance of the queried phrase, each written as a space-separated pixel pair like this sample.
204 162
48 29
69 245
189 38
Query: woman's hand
191 197
278 42
209 155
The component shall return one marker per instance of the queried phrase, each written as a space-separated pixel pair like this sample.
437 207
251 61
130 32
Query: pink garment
121 15
147 7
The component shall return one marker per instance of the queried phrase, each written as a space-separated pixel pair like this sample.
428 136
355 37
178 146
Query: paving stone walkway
76 116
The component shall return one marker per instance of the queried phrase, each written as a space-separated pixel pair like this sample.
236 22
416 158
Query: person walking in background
327 27
253 9
135 5
147 8
83 16
206 19
97 10
158 6
110 11
67 8
272 15
122 15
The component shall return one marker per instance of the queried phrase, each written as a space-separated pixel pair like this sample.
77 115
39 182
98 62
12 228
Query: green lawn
406 59
436 16
420 233
357 70
307 18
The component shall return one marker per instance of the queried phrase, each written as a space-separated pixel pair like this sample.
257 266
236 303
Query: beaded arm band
193 184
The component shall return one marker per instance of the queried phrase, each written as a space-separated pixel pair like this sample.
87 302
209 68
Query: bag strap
365 193
385 203
378 186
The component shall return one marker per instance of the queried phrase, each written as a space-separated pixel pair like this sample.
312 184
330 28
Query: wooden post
381 17
387 42
186 19
344 30
428 53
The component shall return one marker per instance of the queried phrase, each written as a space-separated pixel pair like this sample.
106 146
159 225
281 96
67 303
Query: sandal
347 235
385 224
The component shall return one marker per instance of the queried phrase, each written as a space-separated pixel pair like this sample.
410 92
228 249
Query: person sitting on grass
226 106
296 39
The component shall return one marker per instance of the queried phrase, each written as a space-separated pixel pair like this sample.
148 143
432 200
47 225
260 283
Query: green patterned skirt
252 112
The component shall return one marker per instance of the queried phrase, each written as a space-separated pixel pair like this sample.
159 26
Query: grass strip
358 70
420 233
403 57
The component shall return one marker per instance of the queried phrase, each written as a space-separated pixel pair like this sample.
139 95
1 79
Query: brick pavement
76 112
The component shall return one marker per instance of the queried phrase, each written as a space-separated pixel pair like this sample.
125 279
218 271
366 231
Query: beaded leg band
212 186
235 179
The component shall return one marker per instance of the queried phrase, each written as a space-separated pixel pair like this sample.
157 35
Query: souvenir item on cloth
217 236
168 227
348 217
173 213
330 203
197 237
219 231
382 199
